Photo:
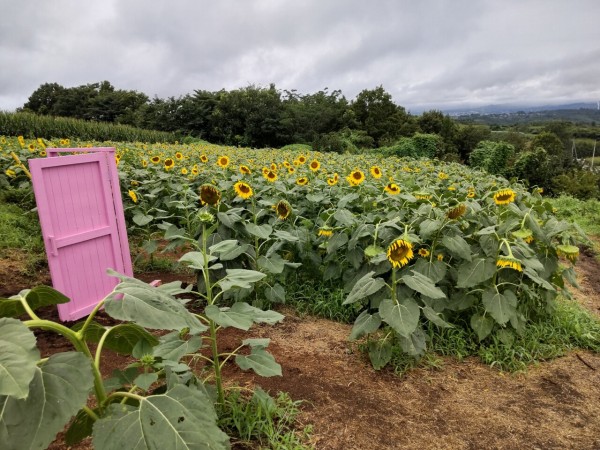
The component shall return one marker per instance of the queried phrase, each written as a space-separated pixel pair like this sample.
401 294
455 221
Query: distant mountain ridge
516 108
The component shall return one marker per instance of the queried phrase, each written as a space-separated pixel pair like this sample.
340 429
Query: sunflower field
413 243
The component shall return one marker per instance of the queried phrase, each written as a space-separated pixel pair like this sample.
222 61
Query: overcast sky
425 53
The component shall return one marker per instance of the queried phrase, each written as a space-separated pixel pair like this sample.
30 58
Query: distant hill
583 113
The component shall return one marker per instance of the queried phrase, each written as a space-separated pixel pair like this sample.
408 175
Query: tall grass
586 213
32 126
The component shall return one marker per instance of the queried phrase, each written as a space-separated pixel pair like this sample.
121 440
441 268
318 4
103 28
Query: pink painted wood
81 215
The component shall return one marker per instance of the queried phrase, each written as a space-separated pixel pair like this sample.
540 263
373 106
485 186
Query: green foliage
264 420
581 184
19 229
344 141
493 157
586 213
33 126
535 167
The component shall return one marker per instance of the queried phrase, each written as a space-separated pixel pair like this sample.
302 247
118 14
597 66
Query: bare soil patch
463 405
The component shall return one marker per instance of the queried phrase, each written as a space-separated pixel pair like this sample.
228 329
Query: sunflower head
223 161
331 181
169 163
178 156
209 195
422 195
314 165
155 159
457 211
203 158
392 189
301 159
569 251
443 176
271 176
399 253
423 252
376 172
509 262
504 197
302 181
133 196
325 231
356 177
283 209
245 170
243 190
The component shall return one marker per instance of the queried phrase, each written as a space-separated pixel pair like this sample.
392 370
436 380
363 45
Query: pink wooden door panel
75 200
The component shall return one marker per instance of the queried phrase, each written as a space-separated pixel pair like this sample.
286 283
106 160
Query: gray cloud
433 52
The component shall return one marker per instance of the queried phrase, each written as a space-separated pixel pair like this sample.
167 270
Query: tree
467 138
493 157
42 100
378 115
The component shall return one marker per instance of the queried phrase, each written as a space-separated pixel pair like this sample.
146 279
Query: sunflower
457 211
134 183
325 231
43 153
569 251
31 147
356 177
184 171
471 194
422 195
204 158
209 194
273 167
144 163
270 176
178 156
169 163
10 173
245 170
440 257
442 176
223 161
195 170
133 196
509 262
423 252
243 190
301 159
331 181
314 165
155 159
399 253
376 172
283 209
291 169
302 181
392 189
504 197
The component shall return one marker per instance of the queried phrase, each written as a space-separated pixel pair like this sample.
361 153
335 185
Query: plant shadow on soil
462 405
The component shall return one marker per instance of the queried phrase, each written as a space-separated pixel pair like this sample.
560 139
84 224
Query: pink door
78 205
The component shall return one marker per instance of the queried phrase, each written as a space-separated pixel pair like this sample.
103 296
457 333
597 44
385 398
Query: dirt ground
462 405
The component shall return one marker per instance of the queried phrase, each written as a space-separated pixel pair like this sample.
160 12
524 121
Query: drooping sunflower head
302 181
356 177
569 251
457 211
283 209
245 170
376 172
223 161
422 195
169 163
132 196
325 231
509 262
155 159
399 253
243 190
314 165
504 197
209 195
392 189
178 156
10 173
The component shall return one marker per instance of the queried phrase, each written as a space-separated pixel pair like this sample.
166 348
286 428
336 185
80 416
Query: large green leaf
380 353
336 242
182 418
457 246
415 344
237 316
482 325
477 271
223 246
402 316
36 298
273 264
122 337
195 260
57 392
423 285
364 287
150 308
18 358
261 231
260 361
365 323
436 270
501 306
172 347
428 227
435 318
275 293
242 278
